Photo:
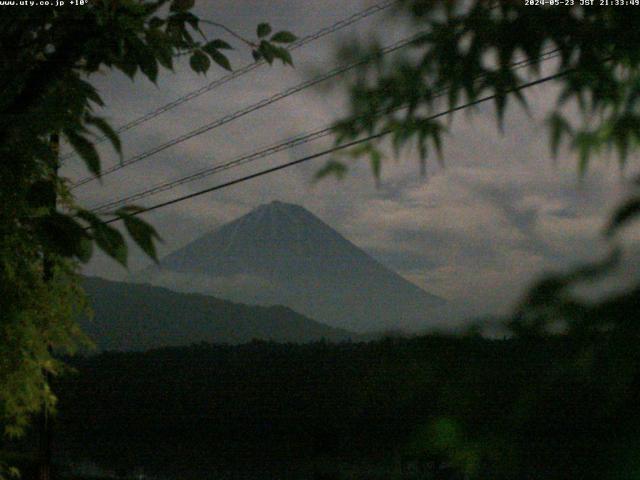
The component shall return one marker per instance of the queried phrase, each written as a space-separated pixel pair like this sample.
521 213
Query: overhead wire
265 152
203 173
339 25
247 110
333 149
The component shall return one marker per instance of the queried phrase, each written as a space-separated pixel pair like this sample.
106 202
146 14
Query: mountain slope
137 317
283 254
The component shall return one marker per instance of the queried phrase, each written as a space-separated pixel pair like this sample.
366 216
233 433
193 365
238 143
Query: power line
268 151
335 149
339 25
247 110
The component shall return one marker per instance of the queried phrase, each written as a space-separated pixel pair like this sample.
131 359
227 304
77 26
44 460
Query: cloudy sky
476 232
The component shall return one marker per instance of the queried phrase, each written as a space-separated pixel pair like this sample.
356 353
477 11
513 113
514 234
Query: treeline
396 404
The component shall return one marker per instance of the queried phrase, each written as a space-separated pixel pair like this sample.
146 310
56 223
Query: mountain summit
282 254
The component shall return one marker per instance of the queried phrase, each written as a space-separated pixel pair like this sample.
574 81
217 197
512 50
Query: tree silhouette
465 53
47 60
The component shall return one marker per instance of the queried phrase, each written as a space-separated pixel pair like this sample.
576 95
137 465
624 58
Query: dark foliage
394 404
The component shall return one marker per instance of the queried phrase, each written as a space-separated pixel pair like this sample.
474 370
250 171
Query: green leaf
559 127
110 242
199 62
500 102
85 150
583 162
623 215
165 58
89 217
220 59
128 65
437 143
401 134
217 44
583 142
85 249
141 232
332 167
284 37
375 157
263 30
149 65
191 19
107 238
283 54
90 92
106 130
266 50
161 46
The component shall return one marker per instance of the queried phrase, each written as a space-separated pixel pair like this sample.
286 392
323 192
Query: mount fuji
282 254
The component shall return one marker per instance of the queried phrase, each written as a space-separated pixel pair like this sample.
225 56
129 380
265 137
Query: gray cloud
476 232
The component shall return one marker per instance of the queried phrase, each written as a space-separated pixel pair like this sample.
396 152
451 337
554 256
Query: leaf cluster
47 91
268 49
464 52
47 59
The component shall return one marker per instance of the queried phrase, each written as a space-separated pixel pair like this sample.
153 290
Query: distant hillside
282 254
137 317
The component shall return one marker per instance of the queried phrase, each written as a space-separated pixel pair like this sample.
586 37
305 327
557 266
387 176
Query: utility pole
45 437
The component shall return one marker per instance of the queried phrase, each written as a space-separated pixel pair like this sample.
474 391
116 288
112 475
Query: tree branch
230 32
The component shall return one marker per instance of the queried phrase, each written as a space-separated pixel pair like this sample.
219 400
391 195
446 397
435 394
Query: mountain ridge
280 253
140 316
